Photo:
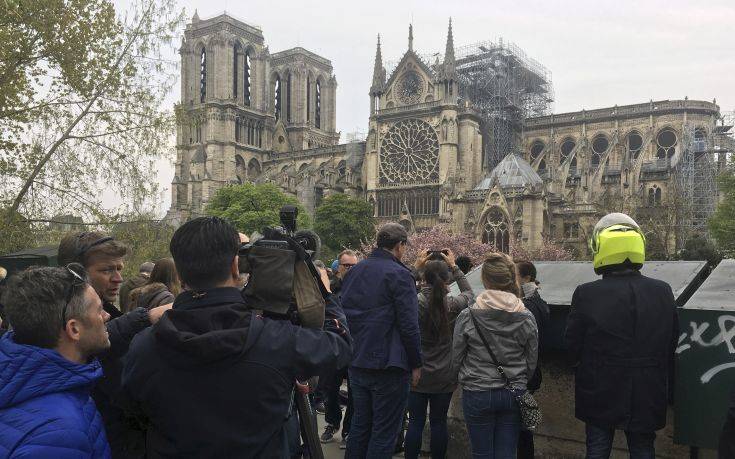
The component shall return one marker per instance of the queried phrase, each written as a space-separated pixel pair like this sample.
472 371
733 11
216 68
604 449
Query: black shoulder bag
530 411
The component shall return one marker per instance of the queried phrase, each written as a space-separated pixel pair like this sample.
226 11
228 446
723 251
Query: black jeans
333 415
438 407
600 440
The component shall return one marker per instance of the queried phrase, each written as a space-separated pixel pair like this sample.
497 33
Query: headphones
84 248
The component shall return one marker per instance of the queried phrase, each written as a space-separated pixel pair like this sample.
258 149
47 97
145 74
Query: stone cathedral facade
249 115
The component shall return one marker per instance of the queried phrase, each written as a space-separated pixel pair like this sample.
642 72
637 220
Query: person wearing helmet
621 335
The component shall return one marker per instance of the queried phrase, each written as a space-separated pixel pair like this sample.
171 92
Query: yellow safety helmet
617 240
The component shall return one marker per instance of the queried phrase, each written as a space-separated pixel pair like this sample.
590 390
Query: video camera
284 282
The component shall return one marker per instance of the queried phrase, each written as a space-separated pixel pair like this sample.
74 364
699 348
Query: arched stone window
573 166
566 148
253 168
240 169
497 230
536 149
633 145
342 169
203 75
238 127
654 196
277 97
600 145
235 69
666 143
318 105
247 78
308 98
288 98
542 167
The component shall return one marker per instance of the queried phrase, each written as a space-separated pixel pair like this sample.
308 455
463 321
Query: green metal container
705 372
18 261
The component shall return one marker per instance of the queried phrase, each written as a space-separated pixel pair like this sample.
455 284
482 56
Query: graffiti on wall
705 335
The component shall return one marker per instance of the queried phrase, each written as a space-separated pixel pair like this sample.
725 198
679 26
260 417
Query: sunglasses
78 279
347 265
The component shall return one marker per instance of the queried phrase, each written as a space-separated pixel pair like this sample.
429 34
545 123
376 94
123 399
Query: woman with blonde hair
499 319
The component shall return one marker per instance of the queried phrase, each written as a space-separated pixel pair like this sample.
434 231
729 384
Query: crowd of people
185 367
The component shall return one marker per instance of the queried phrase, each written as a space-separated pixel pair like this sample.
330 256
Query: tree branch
67 132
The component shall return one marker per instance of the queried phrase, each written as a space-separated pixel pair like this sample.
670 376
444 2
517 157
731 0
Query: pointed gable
512 172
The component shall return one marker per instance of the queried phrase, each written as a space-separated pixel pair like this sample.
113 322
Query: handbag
530 411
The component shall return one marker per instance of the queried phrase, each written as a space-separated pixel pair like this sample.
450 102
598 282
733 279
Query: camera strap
303 256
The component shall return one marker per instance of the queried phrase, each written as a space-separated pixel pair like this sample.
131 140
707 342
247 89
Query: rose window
409 153
411 88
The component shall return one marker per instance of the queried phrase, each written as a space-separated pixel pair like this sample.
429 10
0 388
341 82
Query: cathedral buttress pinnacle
449 60
410 37
378 72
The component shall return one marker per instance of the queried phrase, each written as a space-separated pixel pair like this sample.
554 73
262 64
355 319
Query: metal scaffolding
703 157
505 86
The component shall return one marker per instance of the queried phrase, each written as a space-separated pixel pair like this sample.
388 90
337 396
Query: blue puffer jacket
45 407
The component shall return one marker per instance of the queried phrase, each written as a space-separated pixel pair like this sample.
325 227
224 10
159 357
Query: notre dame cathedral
465 139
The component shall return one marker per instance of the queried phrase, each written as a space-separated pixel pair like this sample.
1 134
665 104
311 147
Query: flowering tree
440 237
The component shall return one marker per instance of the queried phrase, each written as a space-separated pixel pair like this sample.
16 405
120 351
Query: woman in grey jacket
490 410
437 314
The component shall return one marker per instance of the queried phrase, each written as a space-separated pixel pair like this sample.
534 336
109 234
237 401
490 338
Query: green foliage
344 222
82 88
252 207
698 248
16 233
147 240
722 222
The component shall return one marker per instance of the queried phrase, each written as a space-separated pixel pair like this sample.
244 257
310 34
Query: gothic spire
410 37
449 60
378 71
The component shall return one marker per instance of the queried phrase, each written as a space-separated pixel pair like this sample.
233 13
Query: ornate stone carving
411 88
410 153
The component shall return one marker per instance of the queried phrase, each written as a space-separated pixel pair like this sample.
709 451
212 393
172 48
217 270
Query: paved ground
331 450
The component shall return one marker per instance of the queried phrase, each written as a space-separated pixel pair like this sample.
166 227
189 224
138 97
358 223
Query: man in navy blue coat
380 301
47 368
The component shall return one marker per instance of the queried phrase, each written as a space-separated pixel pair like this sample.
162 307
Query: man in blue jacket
47 368
380 302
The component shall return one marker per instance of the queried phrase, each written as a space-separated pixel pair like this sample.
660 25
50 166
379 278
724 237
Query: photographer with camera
214 377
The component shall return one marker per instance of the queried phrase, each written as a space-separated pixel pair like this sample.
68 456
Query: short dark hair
464 263
346 252
203 250
80 247
34 304
391 234
526 269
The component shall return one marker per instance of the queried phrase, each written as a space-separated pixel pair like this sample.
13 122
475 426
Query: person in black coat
103 258
214 378
621 334
540 310
726 447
